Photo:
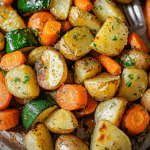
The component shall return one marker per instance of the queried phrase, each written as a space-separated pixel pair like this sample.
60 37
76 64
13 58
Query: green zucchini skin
27 6
32 109
18 39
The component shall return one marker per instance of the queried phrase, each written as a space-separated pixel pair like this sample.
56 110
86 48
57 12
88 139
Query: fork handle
146 40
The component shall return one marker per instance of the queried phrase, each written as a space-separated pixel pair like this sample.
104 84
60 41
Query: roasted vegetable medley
64 61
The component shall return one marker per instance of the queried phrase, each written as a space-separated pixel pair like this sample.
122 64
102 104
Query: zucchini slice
25 40
26 7
37 110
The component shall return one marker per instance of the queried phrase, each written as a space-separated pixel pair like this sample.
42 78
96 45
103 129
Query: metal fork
135 20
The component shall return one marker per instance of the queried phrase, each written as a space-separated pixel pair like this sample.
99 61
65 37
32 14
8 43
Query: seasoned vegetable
25 40
51 69
10 19
111 38
61 121
39 138
133 84
135 120
26 7
111 110
86 67
78 17
2 41
108 136
70 142
103 86
37 110
60 8
21 82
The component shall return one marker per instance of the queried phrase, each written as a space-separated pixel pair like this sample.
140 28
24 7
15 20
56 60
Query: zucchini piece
25 40
37 110
26 7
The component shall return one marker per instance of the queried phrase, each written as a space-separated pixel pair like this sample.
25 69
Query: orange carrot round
9 118
135 120
12 60
89 108
110 64
83 4
37 21
137 42
50 32
2 77
7 1
65 26
72 96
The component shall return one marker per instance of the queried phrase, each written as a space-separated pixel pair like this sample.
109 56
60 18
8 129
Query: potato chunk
103 86
111 38
21 82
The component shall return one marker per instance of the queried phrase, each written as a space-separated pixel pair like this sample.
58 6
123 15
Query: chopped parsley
115 38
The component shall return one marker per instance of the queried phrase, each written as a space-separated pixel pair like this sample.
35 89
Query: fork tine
139 12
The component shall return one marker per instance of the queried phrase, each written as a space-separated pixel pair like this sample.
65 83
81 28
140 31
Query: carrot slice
65 26
2 77
72 96
7 1
110 64
147 8
83 4
135 120
37 21
12 60
89 108
9 118
50 32
137 42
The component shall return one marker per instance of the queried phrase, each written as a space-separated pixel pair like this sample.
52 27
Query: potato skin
145 100
136 59
102 87
133 83
39 137
70 142
21 82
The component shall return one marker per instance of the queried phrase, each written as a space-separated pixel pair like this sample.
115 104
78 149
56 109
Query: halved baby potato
76 43
61 121
39 138
51 69
107 136
103 86
111 110
21 82
111 38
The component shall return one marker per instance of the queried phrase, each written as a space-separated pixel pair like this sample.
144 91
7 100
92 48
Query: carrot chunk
72 96
65 26
12 60
9 118
135 120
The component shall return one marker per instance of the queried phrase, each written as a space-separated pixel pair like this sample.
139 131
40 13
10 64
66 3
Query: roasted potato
61 121
103 86
145 100
10 19
123 1
76 43
21 82
35 54
22 101
39 138
70 142
86 67
111 38
107 8
60 8
107 136
133 83
136 59
78 17
2 41
111 110
51 69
